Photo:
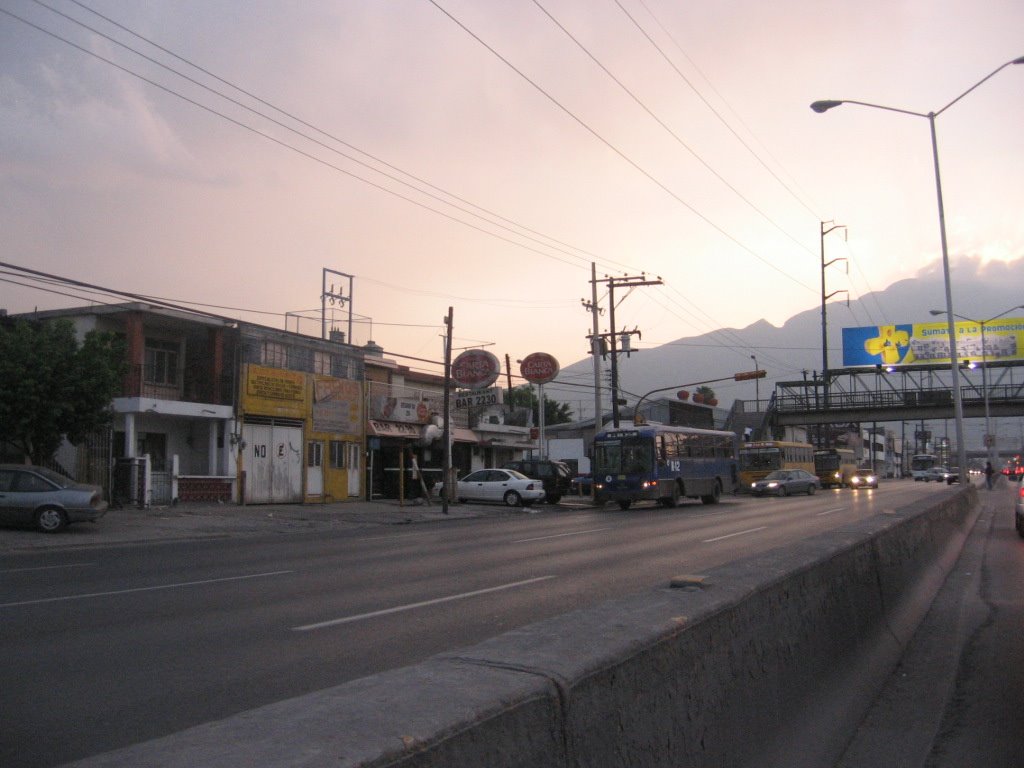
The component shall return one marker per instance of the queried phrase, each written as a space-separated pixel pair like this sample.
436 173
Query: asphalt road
105 647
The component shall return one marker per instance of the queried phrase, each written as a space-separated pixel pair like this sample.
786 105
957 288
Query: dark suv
555 476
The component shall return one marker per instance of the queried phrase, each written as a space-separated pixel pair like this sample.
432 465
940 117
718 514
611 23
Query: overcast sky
533 138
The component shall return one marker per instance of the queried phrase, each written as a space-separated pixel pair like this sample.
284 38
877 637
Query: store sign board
539 368
475 369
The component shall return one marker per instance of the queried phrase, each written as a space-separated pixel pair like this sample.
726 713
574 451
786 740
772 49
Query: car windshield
777 475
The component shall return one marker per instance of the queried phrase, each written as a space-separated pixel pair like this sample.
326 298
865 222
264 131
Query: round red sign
475 369
539 368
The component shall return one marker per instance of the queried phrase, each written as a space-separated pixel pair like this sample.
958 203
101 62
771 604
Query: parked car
1019 508
46 499
783 482
942 475
504 485
555 475
863 478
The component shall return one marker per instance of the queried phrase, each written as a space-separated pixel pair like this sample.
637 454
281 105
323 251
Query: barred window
274 354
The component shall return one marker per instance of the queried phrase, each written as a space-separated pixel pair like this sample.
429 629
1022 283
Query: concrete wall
767 661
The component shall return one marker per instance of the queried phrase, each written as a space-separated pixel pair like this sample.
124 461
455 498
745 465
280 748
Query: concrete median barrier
767 661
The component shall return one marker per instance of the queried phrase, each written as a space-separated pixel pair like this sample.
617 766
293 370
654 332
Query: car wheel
553 498
1020 527
624 504
811 489
783 490
50 519
513 499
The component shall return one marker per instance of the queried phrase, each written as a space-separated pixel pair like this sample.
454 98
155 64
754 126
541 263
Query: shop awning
462 435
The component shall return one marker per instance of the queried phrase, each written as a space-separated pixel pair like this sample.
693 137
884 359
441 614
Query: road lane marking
561 535
46 567
738 533
143 589
412 606
830 511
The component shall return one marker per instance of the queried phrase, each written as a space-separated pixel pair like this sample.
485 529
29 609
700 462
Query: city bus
834 466
758 458
663 463
920 463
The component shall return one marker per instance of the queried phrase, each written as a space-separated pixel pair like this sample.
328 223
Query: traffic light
746 375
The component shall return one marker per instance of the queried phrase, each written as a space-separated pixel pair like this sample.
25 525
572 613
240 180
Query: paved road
107 646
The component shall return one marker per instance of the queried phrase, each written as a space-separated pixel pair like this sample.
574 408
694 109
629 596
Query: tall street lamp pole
958 406
989 442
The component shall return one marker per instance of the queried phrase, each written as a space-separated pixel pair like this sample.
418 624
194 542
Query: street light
958 406
989 443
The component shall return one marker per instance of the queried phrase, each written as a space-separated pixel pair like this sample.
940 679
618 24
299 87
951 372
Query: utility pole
595 346
613 283
446 435
825 378
329 294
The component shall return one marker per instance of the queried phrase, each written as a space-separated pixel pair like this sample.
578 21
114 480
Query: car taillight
1021 492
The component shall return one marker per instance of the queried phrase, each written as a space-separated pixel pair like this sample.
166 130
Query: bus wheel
624 504
714 496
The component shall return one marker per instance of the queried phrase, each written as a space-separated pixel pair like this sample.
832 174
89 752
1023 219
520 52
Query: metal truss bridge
849 395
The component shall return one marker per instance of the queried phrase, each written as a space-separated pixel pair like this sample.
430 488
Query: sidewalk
210 521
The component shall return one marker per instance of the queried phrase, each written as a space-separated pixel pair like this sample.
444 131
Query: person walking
989 473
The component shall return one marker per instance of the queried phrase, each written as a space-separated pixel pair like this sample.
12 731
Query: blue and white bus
663 463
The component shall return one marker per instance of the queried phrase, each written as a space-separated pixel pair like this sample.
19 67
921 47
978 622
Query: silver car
504 485
783 482
43 498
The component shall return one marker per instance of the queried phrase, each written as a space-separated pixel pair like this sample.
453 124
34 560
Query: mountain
789 352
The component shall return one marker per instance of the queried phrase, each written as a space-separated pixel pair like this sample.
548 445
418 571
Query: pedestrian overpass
897 393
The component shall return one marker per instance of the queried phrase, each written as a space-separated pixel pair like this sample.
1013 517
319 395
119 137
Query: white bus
920 463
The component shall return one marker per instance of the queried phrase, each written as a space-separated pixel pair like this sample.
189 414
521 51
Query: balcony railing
194 385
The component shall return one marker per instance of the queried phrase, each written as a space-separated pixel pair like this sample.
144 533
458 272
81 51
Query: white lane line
412 606
738 533
561 535
144 589
830 511
46 567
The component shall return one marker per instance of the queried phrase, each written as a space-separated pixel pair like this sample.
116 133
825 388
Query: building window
314 455
161 362
337 454
274 354
322 362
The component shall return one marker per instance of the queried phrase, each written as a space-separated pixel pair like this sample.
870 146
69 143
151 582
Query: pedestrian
989 473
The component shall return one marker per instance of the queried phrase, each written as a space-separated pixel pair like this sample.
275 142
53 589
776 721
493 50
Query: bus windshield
624 457
760 458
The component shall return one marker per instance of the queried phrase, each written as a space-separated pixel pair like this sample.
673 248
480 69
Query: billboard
928 343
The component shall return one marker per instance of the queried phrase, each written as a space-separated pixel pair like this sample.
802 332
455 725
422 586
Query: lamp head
936 311
825 105
1018 60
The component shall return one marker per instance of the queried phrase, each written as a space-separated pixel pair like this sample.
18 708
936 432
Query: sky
484 154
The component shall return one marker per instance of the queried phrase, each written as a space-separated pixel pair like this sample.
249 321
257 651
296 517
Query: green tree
54 387
525 396
706 392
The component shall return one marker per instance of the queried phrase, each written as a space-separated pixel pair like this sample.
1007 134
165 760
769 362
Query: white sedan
506 485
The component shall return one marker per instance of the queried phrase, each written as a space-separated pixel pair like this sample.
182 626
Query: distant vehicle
785 482
863 478
1019 510
503 485
834 466
942 475
758 458
663 463
41 497
920 463
555 476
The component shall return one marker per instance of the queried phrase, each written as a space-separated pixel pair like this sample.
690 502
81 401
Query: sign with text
475 369
479 399
539 368
919 343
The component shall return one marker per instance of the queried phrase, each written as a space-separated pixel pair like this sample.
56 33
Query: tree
54 387
526 397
